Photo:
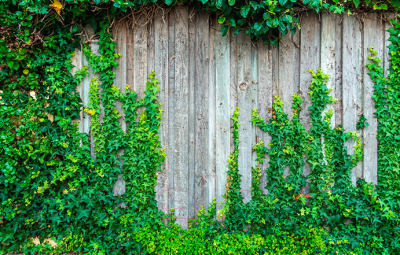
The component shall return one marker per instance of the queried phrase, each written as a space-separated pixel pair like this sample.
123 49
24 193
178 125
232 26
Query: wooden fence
204 77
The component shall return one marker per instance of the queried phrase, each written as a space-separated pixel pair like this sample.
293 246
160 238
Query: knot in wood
243 86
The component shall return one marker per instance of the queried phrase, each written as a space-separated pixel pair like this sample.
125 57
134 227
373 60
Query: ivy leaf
231 2
224 30
10 64
219 3
232 22
169 2
257 26
237 31
244 11
275 22
384 6
282 2
26 71
394 2
221 19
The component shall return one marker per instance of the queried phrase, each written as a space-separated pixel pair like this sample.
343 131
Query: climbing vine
52 188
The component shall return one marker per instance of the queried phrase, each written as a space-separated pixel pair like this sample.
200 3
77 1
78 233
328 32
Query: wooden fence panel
204 77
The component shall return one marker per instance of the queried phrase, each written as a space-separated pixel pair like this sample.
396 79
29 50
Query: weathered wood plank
151 46
266 79
288 74
254 102
233 66
352 82
119 34
201 99
288 70
140 58
191 113
129 57
310 59
338 106
245 102
171 107
211 178
181 130
373 36
328 55
222 117
161 69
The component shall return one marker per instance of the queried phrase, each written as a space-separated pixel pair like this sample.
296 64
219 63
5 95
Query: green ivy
52 188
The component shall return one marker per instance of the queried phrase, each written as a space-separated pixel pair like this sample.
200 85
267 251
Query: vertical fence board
201 98
264 101
171 108
129 57
352 82
181 115
161 69
222 117
310 56
372 37
328 54
288 70
120 71
233 83
140 58
310 51
338 106
211 178
191 120
245 101
288 73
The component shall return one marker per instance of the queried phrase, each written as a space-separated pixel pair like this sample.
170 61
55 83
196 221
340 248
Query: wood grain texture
288 84
338 106
192 115
161 69
211 178
181 152
328 56
171 109
120 37
352 83
373 36
201 119
310 58
246 100
222 110
140 56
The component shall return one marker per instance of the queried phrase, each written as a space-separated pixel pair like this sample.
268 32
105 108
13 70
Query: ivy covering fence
52 188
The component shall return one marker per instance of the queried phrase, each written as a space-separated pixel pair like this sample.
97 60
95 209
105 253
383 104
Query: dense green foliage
51 187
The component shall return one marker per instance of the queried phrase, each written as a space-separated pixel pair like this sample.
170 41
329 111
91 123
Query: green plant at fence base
52 188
